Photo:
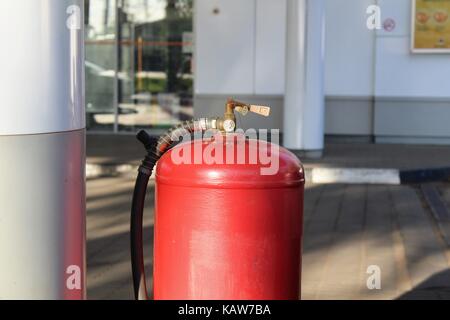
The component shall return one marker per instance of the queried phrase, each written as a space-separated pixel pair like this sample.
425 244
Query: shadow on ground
346 229
108 243
430 289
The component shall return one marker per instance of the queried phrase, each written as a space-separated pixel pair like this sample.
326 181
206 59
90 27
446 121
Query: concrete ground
349 228
103 149
403 230
108 253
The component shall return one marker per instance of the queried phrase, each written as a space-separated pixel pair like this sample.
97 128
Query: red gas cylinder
228 230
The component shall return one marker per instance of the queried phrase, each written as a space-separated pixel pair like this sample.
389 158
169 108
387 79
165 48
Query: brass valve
228 122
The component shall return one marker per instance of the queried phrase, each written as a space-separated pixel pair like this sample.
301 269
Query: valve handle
227 124
261 110
244 108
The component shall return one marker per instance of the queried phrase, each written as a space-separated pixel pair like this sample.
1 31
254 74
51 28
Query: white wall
224 62
361 62
240 50
401 73
270 51
349 49
412 90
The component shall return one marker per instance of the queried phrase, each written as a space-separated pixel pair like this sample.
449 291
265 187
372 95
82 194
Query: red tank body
225 231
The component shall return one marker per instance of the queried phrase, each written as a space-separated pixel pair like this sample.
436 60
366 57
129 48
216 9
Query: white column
304 98
42 146
42 66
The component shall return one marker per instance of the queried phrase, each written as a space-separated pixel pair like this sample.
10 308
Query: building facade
169 60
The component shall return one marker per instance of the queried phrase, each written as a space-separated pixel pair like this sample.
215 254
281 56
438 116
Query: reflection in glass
100 62
156 62
149 43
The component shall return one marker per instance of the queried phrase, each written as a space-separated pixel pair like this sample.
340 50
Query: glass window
100 20
145 49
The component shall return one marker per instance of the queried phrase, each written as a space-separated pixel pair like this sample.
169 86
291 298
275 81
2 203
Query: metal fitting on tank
228 122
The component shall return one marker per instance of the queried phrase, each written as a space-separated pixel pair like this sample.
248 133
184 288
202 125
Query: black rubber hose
155 150
137 250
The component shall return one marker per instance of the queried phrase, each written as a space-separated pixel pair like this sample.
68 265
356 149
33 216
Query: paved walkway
349 228
404 230
102 149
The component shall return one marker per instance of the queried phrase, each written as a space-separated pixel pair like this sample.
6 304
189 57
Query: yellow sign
431 26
